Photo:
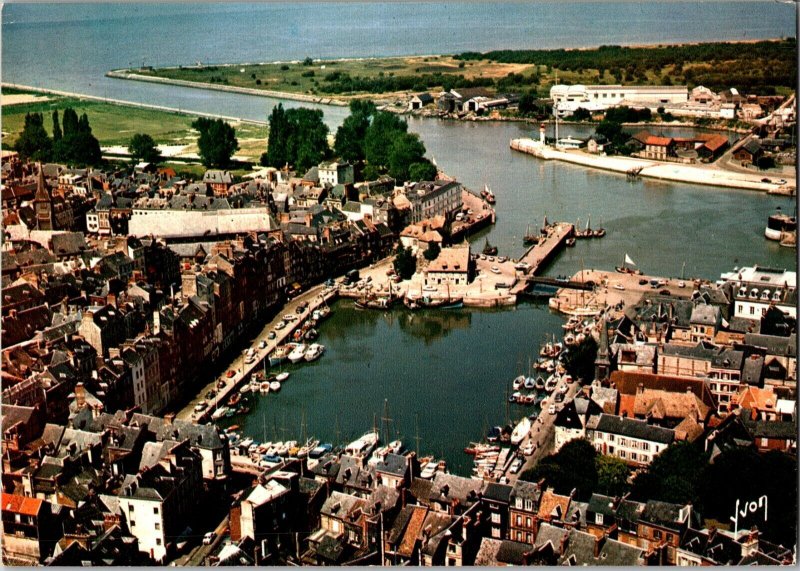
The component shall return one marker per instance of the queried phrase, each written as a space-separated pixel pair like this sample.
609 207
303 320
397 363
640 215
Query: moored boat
779 223
275 386
314 352
280 377
298 353
521 430
280 354
264 387
518 382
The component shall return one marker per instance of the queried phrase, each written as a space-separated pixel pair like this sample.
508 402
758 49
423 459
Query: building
659 148
749 152
419 101
437 198
568 98
29 530
220 182
522 512
335 173
632 440
496 498
452 266
755 289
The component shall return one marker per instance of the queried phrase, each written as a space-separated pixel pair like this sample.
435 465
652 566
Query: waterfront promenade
675 172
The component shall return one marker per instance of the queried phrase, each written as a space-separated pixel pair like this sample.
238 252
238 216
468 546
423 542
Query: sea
442 376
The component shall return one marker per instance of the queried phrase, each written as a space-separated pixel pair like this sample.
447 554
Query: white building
429 199
450 267
756 288
568 98
336 173
629 439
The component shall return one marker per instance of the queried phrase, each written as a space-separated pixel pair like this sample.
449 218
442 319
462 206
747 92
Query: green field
115 124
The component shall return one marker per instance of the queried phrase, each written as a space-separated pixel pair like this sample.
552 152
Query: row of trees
682 474
342 82
73 144
296 136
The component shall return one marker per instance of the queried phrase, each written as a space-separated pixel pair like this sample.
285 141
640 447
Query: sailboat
624 269
530 239
426 302
488 249
487 194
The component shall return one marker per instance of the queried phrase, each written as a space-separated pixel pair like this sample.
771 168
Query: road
197 555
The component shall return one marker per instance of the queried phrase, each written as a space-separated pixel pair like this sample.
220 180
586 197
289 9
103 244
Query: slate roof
634 428
393 464
663 514
497 492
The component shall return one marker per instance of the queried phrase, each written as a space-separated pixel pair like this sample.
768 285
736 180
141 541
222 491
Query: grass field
295 77
115 124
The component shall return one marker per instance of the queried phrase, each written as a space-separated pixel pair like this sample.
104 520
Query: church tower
43 204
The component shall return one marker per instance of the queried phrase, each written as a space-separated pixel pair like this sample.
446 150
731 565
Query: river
443 374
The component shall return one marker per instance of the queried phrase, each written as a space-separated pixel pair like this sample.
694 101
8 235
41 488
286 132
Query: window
657 534
155 510
495 518
158 526
527 522
519 520
158 541
598 519
133 523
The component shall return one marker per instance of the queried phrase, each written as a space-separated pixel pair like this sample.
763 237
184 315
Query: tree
34 143
349 143
216 142
297 136
432 251
579 361
143 148
424 170
406 150
57 134
571 468
277 154
673 476
581 114
405 264
612 475
380 136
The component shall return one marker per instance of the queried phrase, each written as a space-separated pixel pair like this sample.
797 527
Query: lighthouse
541 133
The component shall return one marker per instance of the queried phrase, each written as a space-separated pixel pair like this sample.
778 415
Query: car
221 384
619 287
397 279
642 281
552 409
369 279
211 394
428 288
502 285
390 272
272 335
263 343
483 256
495 270
528 449
681 284
230 374
329 282
516 466
289 317
662 282
665 292
201 407
765 180
209 537
502 259
469 211
559 397
280 325
490 258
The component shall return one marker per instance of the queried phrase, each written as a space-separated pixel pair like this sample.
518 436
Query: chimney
80 395
562 545
598 545
169 418
640 388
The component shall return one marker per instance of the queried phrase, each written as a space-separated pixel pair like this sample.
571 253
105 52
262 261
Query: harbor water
444 374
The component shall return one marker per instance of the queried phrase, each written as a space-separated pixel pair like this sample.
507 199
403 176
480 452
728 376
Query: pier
315 298
542 252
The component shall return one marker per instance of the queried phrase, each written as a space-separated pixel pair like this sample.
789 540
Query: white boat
395 447
264 388
283 449
521 431
298 353
518 382
254 386
364 445
274 386
280 377
552 382
314 352
219 413
307 447
246 443
244 390
429 470
530 383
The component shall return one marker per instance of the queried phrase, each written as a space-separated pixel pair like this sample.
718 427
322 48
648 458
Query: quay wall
652 169
120 74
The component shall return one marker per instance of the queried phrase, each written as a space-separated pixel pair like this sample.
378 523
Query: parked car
289 317
221 383
211 394
200 407
272 335
552 409
209 537
516 465
495 270
280 325
528 449
230 374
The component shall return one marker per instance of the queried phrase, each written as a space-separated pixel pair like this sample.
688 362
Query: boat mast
385 420
416 431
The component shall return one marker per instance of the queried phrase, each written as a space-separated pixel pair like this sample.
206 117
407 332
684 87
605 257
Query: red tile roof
21 505
658 141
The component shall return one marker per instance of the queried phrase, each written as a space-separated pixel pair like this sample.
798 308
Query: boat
322 312
363 445
264 388
219 413
254 386
514 397
539 383
530 383
778 224
314 352
298 353
488 249
569 242
311 335
518 382
789 239
243 410
488 195
280 354
275 386
521 430
552 382
376 302
280 377
494 434
234 400
530 239
426 302
429 470
245 389
569 339
624 269
246 443
599 233
304 450
395 446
